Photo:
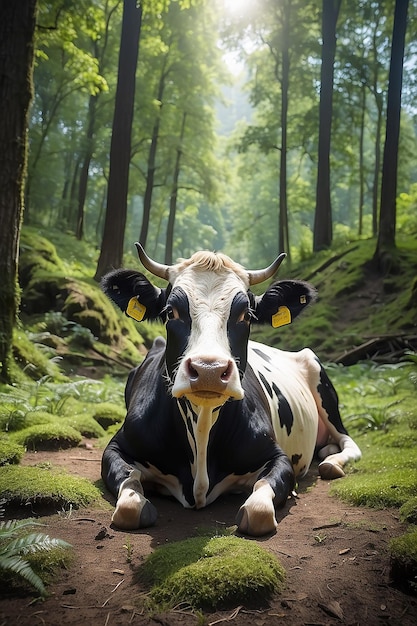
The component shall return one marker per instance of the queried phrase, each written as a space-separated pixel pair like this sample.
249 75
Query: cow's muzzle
207 380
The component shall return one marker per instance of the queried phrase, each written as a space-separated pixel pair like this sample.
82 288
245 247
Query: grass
44 486
403 551
211 572
10 452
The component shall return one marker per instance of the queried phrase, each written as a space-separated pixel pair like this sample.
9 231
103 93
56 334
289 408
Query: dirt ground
335 556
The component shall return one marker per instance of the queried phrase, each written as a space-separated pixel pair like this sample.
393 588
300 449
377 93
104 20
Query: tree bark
283 234
387 217
174 196
17 27
323 226
151 166
111 254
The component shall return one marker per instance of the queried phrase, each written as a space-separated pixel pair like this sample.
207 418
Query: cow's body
211 412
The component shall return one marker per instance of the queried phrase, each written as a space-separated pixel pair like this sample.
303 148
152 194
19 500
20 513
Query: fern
14 547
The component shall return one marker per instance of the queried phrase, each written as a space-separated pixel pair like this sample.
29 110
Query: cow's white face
208 314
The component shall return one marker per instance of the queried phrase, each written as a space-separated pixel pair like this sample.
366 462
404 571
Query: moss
10 451
403 552
408 511
31 359
85 425
50 436
107 414
390 488
212 572
21 486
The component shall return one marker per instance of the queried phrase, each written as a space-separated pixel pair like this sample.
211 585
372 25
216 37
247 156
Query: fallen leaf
333 609
345 551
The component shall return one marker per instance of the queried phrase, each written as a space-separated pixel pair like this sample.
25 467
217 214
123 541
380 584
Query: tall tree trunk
88 154
283 235
323 226
111 254
151 167
361 159
174 196
387 219
377 164
17 27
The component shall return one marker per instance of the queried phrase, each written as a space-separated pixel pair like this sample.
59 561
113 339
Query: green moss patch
85 425
378 490
10 451
52 436
107 414
211 572
21 486
404 561
408 511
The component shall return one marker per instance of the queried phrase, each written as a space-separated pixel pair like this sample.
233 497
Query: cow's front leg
133 510
256 516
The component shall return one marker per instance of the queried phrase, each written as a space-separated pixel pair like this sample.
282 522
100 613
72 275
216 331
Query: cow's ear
134 294
283 301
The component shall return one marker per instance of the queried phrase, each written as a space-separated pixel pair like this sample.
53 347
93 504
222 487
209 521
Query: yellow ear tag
135 309
281 317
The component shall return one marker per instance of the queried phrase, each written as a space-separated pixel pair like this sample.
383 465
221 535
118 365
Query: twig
113 590
333 525
227 619
107 619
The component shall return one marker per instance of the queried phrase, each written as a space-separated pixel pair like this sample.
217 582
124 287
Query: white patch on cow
166 484
294 373
210 296
234 483
297 375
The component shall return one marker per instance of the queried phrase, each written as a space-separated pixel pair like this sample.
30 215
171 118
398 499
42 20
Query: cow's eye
245 316
172 313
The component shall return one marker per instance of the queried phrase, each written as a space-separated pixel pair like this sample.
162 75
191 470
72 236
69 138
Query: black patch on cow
266 384
295 459
178 329
238 329
330 400
263 356
286 417
122 285
294 294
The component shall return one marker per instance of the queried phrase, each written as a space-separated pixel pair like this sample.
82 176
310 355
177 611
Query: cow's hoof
255 523
330 471
133 513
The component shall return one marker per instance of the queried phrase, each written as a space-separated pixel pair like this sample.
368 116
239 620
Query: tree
17 28
323 227
111 254
387 219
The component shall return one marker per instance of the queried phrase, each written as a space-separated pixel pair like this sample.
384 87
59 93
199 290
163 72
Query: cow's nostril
192 372
227 373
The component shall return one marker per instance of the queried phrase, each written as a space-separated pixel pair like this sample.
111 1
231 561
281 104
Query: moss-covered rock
212 572
45 487
10 451
403 552
107 414
51 436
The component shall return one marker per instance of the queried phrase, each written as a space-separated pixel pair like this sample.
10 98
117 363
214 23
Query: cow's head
208 309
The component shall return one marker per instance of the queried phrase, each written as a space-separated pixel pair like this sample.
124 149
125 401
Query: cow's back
287 379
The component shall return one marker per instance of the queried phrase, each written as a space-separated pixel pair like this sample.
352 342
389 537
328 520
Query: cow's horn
157 269
258 276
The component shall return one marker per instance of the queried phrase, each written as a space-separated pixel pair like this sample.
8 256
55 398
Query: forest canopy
208 123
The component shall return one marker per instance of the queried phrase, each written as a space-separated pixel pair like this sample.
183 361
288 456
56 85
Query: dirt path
335 555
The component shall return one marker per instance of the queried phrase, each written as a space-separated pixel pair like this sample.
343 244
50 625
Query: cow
210 411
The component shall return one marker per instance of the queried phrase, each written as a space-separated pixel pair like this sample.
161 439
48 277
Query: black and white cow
209 411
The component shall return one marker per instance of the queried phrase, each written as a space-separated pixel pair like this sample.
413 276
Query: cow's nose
209 374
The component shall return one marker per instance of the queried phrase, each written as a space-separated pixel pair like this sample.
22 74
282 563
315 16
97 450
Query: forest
251 127
224 139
